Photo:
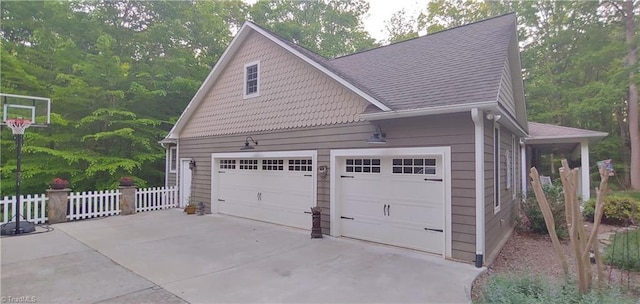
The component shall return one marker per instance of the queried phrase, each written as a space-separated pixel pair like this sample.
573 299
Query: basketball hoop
18 125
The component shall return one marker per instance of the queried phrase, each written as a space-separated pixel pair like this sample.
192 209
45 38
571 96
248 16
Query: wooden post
548 219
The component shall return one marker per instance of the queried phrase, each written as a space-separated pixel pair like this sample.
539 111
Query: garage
274 187
393 196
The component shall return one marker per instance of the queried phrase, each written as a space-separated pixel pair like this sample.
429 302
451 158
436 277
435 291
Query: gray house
418 144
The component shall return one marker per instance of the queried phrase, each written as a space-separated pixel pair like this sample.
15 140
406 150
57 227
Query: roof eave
596 136
448 109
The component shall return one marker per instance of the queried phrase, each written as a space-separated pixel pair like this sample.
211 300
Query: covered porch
572 143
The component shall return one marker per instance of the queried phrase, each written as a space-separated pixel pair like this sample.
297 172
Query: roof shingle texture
456 66
541 130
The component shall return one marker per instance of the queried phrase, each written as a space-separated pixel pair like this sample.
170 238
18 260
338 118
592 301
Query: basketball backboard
36 109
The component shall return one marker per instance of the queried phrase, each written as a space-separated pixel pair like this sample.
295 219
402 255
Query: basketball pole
19 138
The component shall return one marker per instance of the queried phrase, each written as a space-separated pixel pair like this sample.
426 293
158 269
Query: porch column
584 163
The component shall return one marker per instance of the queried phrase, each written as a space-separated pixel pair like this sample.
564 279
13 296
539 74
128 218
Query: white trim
166 168
444 152
430 110
523 168
215 208
496 167
514 176
584 169
478 120
509 167
175 148
244 86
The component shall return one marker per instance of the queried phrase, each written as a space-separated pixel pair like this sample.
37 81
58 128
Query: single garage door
397 200
275 190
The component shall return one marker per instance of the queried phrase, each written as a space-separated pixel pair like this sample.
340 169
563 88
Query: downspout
478 121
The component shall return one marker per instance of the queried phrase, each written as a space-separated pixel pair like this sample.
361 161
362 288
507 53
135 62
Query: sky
381 10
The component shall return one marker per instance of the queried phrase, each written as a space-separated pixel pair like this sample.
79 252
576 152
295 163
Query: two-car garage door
272 189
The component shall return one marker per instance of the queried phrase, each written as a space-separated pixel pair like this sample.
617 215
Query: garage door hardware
308 175
433 179
386 210
436 230
346 218
346 176
259 196
221 200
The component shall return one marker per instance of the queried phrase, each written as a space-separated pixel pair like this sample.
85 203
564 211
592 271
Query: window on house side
173 159
251 77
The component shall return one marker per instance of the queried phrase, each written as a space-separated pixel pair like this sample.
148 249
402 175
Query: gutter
446 109
478 121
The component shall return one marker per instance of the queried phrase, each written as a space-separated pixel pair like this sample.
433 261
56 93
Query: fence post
58 201
127 200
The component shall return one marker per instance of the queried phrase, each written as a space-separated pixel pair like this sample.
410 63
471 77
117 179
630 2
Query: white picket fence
156 199
83 205
91 204
33 208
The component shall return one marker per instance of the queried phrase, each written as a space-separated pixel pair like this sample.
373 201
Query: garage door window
414 166
273 164
227 164
300 165
248 164
360 165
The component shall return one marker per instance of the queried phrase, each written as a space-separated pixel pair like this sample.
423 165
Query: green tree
400 27
330 28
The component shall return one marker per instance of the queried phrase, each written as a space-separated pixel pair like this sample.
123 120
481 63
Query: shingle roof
546 131
455 66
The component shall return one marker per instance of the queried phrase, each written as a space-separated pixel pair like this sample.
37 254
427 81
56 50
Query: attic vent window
252 79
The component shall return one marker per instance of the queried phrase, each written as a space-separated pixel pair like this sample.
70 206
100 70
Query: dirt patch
533 254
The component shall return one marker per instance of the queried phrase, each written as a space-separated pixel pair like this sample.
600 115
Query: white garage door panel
394 208
276 196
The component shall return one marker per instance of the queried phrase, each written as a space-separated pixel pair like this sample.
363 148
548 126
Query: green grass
525 288
624 251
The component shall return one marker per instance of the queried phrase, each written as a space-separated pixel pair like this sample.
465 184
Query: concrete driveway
169 257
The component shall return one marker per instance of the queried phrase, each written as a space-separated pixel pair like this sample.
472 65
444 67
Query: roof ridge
423 36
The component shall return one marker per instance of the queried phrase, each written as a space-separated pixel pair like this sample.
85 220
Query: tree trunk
634 132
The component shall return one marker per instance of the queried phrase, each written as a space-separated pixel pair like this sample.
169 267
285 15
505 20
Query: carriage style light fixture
247 145
378 137
493 117
192 164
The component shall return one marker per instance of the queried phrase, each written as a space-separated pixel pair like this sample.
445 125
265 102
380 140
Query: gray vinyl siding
454 130
499 225
505 95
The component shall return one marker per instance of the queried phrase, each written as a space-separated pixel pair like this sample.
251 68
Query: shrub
535 219
624 251
620 209
525 288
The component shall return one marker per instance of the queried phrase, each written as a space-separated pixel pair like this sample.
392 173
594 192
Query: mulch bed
533 254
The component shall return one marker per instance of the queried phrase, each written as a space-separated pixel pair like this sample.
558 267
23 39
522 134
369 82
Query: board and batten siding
454 130
499 225
292 94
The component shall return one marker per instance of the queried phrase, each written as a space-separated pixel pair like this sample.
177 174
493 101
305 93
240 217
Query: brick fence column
58 202
127 200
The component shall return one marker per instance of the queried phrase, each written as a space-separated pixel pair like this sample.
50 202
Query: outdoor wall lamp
378 137
248 146
192 164
493 117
